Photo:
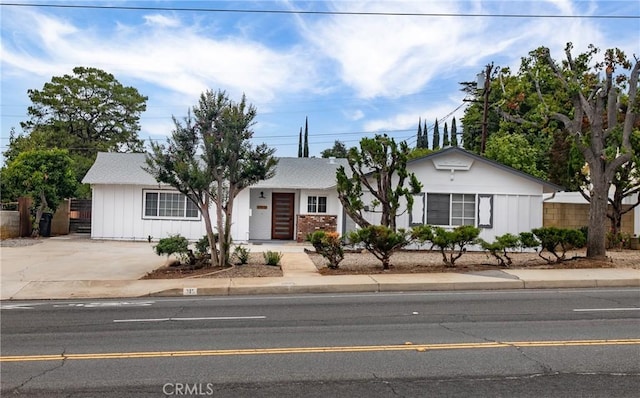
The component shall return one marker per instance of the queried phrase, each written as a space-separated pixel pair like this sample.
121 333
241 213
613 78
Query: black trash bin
45 224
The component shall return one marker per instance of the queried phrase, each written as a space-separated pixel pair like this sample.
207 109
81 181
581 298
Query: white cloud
177 59
327 67
394 56
354 114
162 21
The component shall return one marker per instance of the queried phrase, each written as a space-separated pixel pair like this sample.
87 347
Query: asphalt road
533 343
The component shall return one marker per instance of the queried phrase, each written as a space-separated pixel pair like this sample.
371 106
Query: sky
353 68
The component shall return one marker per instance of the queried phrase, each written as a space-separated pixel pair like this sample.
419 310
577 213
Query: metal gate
80 216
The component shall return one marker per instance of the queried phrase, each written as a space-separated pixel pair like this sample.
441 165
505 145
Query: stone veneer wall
309 223
573 215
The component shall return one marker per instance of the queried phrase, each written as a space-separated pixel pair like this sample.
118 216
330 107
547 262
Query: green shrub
618 240
380 241
177 245
242 254
554 240
528 240
272 258
329 245
500 248
454 242
423 234
202 246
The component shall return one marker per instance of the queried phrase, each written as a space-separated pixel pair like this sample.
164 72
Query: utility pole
485 113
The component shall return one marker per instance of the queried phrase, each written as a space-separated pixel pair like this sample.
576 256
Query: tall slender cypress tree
419 139
306 138
425 136
436 136
445 137
454 135
300 144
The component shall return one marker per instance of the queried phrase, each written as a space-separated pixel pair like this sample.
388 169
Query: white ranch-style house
458 188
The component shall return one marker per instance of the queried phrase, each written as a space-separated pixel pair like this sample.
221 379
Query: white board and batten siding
505 201
117 214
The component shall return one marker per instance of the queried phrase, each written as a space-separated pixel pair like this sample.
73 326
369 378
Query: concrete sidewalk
68 268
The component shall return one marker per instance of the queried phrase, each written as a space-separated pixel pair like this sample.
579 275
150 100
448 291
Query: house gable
493 174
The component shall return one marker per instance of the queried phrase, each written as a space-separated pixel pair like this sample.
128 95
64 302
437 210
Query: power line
306 12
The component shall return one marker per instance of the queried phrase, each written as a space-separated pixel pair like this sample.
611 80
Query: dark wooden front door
282 216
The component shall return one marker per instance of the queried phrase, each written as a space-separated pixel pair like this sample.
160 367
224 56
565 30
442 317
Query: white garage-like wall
117 215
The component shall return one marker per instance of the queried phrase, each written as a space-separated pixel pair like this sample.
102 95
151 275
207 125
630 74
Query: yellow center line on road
314 350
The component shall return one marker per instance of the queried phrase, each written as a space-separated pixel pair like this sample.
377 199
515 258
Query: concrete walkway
298 265
72 268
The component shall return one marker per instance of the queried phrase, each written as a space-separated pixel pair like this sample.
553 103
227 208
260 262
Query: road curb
398 287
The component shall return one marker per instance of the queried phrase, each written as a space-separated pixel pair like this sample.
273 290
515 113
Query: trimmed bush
454 242
329 245
554 240
528 240
500 248
177 245
380 241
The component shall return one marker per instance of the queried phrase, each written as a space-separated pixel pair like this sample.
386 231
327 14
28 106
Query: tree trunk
386 260
35 232
226 244
210 235
615 216
222 236
596 244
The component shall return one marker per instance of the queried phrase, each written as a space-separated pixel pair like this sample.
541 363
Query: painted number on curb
190 291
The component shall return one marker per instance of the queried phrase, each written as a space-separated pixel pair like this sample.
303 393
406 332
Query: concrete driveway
74 257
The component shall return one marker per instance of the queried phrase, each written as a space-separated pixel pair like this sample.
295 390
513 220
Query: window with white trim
164 204
316 204
451 209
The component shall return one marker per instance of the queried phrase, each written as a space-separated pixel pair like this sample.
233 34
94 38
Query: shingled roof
308 173
291 173
119 168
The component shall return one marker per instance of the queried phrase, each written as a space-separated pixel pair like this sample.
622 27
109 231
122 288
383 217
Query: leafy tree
515 151
594 118
45 175
626 184
306 138
210 158
445 136
300 144
86 112
380 166
418 153
454 133
436 136
339 150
